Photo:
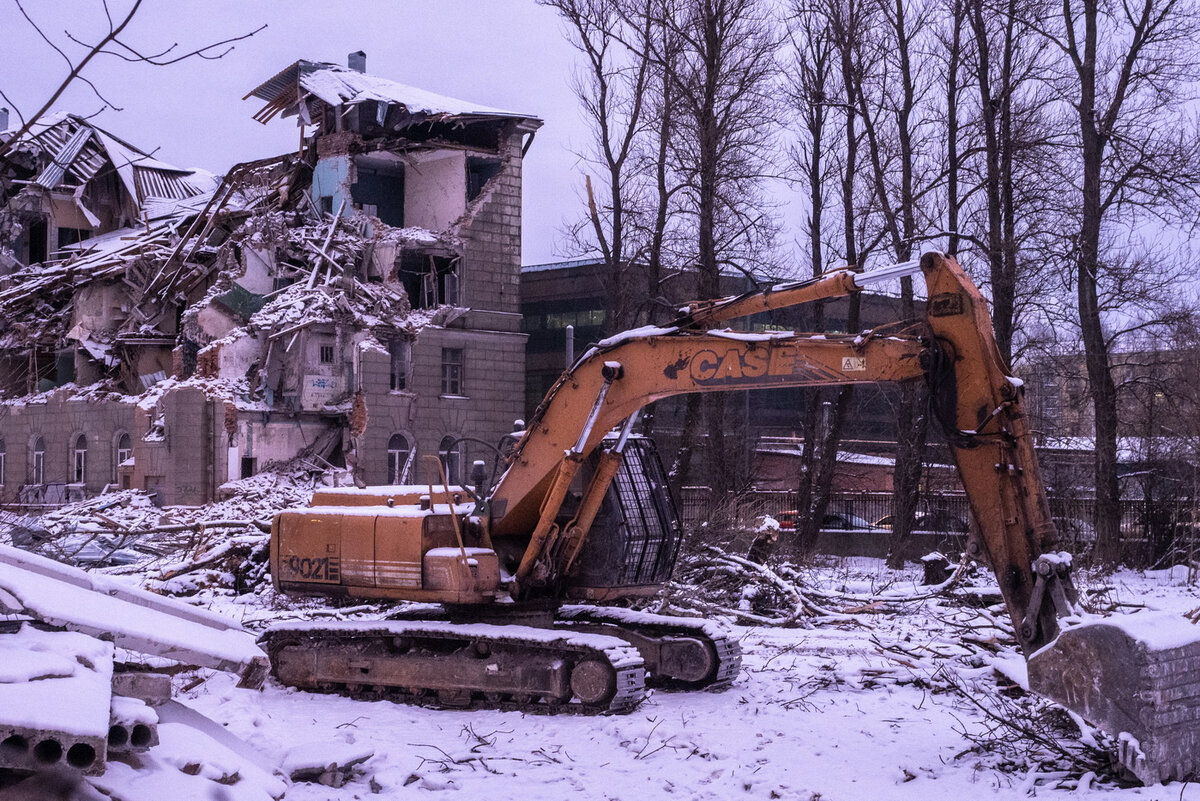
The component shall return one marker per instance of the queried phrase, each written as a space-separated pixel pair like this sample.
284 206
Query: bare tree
78 54
717 58
1134 158
612 88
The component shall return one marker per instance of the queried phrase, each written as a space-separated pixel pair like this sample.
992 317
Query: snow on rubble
900 696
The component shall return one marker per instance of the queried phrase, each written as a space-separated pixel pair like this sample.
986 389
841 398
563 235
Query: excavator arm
978 403
973 395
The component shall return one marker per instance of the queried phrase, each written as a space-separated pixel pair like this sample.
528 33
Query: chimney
357 61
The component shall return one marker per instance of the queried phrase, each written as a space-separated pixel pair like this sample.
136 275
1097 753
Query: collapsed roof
65 151
301 88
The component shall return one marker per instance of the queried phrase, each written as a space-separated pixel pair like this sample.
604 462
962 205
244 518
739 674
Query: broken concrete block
153 688
132 727
55 694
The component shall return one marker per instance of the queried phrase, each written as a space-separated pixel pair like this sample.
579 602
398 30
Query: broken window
325 354
38 462
124 452
380 186
79 460
401 352
479 172
249 466
450 451
452 371
72 236
429 281
37 242
399 459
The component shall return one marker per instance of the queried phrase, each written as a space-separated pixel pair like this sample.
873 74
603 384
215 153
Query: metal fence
1157 533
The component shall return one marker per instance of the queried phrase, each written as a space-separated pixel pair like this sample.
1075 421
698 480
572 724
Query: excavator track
460 666
679 652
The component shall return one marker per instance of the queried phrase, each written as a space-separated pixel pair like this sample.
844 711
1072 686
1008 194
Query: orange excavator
513 575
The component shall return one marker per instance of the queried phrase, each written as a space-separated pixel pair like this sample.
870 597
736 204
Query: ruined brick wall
59 421
180 467
491 266
493 375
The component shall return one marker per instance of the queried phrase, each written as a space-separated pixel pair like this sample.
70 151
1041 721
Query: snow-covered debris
195 760
55 692
131 618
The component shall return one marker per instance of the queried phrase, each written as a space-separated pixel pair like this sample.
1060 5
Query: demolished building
354 303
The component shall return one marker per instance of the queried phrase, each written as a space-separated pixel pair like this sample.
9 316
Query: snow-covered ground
856 710
897 696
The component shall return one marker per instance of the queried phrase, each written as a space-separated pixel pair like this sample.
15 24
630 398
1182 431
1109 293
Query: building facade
356 304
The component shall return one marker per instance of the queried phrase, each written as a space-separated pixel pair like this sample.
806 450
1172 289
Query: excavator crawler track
461 666
679 652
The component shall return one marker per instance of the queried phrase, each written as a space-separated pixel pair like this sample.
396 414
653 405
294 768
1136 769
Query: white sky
509 54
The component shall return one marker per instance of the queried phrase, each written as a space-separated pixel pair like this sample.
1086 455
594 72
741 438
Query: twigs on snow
800 603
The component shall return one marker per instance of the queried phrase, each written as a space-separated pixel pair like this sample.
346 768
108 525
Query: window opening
452 371
399 459
39 461
325 354
479 172
400 350
79 462
430 281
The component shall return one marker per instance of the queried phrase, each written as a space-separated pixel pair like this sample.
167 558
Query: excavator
510 580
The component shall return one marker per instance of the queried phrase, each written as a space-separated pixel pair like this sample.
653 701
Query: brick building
355 304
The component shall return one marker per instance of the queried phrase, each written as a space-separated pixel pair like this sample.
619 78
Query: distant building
558 294
357 303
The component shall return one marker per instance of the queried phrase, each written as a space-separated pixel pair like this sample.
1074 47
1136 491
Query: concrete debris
131 618
55 692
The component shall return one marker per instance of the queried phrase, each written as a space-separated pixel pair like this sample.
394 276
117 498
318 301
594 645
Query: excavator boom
1117 679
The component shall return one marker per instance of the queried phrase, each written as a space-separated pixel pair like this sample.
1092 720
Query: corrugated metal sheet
162 184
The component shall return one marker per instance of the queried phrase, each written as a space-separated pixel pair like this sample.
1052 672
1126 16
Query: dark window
450 450
38 473
72 236
429 280
452 371
379 190
400 351
3 465
326 354
479 172
249 465
399 459
325 204
37 243
79 460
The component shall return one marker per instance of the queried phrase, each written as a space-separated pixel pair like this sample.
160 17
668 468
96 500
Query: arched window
450 450
124 453
79 460
37 473
399 459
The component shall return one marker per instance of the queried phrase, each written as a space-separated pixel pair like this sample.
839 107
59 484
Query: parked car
833 521
940 522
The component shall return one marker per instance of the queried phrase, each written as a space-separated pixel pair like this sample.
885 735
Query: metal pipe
904 268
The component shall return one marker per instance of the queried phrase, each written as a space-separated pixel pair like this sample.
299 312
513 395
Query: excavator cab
634 540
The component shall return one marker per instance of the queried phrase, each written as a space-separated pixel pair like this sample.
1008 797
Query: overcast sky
509 54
